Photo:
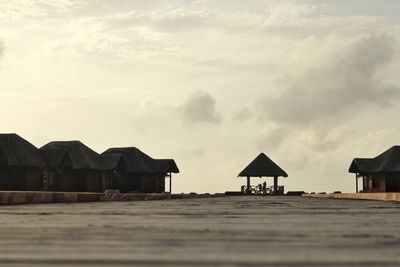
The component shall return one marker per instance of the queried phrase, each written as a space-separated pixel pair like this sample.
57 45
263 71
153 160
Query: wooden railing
259 190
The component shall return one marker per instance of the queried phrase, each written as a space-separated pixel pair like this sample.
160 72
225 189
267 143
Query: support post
170 182
356 183
248 185
275 184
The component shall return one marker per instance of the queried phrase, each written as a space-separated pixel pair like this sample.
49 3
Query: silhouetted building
379 174
74 167
263 166
139 172
22 166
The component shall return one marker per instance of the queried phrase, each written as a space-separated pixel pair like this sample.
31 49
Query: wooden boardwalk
359 196
230 231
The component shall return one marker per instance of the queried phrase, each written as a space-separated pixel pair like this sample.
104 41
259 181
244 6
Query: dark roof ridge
11 149
262 166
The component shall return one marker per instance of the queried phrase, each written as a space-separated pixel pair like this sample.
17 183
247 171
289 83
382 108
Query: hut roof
80 156
137 161
167 165
362 165
113 161
16 151
262 166
388 161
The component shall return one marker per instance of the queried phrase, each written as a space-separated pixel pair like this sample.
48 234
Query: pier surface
35 197
359 196
227 231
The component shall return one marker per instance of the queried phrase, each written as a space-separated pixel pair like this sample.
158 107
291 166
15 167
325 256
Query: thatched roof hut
381 173
142 172
262 166
388 161
137 161
76 167
21 164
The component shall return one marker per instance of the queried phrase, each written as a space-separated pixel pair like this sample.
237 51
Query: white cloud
17 11
2 49
339 79
200 107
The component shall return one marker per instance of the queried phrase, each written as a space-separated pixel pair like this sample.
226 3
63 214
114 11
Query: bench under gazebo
262 166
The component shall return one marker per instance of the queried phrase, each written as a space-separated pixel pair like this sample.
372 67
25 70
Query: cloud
309 18
193 153
2 49
273 139
17 10
243 114
200 107
340 82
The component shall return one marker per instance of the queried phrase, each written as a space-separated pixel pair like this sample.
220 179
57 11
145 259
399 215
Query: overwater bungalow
22 166
378 174
74 167
141 173
263 166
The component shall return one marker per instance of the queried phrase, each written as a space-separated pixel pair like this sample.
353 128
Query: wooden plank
227 231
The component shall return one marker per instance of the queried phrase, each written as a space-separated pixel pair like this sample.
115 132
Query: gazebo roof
262 166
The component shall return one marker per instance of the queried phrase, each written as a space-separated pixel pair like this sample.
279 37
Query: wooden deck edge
32 197
358 196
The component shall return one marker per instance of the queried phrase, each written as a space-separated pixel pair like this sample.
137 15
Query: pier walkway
226 231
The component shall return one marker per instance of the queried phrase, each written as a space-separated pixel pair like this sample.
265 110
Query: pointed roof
262 166
80 155
167 165
388 161
16 151
362 165
137 161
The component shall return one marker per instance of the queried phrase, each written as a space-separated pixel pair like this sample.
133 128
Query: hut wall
81 181
12 178
34 179
93 181
133 182
152 183
147 185
115 181
378 183
110 180
66 180
392 182
129 182
125 184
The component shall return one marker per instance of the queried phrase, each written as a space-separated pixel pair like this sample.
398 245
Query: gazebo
262 166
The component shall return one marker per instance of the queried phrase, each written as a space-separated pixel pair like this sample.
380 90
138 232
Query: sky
311 83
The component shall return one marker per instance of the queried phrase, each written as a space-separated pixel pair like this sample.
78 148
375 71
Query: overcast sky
210 83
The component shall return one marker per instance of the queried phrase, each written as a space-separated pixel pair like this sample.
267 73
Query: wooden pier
31 197
358 196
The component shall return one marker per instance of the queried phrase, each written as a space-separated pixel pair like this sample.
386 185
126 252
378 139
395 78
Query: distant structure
379 174
71 166
22 166
74 167
263 166
140 172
